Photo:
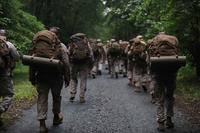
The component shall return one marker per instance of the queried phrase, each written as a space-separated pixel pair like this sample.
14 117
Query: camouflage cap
162 33
78 36
54 30
112 40
2 32
98 40
139 37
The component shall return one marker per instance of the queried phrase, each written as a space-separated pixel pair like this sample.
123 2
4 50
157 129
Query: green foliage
21 26
188 84
71 16
181 18
22 87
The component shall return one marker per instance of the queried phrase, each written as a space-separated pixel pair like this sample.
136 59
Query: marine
8 56
81 61
46 78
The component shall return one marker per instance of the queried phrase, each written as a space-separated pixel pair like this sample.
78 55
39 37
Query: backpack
163 45
4 53
138 47
46 44
79 49
3 47
114 50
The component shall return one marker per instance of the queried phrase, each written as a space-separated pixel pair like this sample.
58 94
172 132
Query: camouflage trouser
114 62
42 103
130 69
138 75
164 87
98 66
83 72
6 92
109 65
122 66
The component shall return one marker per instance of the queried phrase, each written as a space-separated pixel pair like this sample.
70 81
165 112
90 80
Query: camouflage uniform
81 68
138 56
123 59
130 62
6 83
46 79
99 59
114 59
165 85
139 70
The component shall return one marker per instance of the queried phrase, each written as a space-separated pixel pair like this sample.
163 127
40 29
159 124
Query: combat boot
124 75
1 122
43 128
169 124
161 127
99 72
82 100
72 97
144 88
93 76
116 75
58 119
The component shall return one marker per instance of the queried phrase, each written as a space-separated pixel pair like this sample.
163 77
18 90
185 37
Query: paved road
111 107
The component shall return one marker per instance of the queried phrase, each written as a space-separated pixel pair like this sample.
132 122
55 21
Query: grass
24 94
22 87
188 85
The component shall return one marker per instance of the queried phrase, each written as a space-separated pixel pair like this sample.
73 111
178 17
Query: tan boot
82 100
58 119
43 128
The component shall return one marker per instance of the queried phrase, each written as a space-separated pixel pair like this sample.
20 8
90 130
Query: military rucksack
138 47
3 47
163 45
46 44
114 50
4 53
79 49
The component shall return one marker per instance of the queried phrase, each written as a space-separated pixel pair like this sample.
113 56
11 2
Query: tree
71 16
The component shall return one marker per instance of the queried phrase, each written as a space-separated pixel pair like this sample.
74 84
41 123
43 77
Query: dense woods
120 19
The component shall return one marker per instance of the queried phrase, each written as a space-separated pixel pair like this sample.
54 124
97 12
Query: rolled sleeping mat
167 63
40 61
168 59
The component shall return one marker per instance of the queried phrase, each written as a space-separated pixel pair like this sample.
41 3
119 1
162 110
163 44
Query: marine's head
140 37
112 40
55 30
98 40
2 32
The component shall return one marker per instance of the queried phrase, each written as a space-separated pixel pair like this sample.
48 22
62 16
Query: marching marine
47 78
81 60
8 56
